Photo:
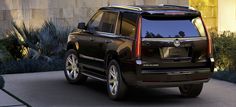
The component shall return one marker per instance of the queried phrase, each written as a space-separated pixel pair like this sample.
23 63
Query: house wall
62 12
226 15
209 11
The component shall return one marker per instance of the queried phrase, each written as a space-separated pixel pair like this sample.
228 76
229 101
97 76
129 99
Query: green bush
46 41
33 50
225 51
31 65
226 76
4 54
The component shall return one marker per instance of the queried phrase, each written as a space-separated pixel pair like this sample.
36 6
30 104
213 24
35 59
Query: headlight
69 38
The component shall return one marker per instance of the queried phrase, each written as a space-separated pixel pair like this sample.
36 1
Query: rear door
173 42
103 36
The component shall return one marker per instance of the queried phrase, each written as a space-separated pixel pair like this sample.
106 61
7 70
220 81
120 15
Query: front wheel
191 90
115 85
72 70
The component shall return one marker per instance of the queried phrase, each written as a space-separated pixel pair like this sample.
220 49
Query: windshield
171 28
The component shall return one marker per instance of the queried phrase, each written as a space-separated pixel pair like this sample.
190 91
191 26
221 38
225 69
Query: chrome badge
176 43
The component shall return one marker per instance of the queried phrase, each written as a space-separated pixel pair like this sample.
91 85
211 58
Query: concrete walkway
8 101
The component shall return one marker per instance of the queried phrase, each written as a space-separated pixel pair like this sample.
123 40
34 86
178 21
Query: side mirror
81 25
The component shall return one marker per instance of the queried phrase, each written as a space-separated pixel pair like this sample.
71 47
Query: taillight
209 40
209 44
138 39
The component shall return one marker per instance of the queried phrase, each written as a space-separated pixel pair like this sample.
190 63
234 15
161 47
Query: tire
191 90
72 70
116 87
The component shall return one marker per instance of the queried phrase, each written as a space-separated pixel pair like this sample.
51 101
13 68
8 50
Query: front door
101 29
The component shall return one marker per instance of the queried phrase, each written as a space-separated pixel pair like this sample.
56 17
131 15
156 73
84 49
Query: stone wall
65 13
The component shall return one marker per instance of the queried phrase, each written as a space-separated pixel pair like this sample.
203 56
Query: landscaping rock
1 82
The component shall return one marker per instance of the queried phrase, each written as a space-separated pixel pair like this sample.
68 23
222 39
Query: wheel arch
110 55
113 55
72 45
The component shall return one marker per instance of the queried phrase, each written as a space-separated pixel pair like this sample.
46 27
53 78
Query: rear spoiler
170 14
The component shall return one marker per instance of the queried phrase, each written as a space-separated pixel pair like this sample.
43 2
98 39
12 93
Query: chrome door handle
108 41
91 39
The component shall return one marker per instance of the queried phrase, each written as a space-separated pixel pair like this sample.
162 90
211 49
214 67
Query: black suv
148 46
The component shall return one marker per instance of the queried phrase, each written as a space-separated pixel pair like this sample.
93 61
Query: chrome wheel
72 69
113 79
116 87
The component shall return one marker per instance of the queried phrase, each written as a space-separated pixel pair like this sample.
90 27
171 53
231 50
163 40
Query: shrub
30 65
13 46
4 54
52 40
34 43
34 50
226 76
225 51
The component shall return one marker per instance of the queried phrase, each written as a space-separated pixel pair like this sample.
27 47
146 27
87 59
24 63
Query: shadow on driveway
51 89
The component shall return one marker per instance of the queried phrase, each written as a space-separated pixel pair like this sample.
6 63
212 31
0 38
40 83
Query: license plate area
173 52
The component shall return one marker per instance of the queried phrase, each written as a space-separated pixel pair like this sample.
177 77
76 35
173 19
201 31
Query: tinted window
128 24
104 22
169 29
199 24
108 22
95 22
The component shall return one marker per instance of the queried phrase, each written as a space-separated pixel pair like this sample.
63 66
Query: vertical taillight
209 44
138 39
209 40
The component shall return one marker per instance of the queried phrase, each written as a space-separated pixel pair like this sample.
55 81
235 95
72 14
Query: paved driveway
51 89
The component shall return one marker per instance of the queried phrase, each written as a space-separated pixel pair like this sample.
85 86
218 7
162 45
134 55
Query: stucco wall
61 12
226 15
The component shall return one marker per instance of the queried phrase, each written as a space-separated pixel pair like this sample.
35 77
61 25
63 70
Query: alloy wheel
72 68
113 80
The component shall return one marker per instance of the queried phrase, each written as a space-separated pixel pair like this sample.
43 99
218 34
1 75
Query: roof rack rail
127 7
186 7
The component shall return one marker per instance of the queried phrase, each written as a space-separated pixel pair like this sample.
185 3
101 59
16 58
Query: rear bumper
172 77
169 84
167 77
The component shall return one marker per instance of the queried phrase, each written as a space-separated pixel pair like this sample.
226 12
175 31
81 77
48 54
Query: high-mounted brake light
209 40
138 39
174 13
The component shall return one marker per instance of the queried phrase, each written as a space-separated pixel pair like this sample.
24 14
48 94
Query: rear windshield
172 28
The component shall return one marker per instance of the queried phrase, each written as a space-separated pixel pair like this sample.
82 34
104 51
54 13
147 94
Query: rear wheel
72 70
191 90
115 85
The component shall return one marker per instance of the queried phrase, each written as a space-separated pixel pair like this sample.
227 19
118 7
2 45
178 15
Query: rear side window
171 28
128 24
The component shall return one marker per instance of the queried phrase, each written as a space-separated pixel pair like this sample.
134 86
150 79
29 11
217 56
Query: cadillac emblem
176 43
